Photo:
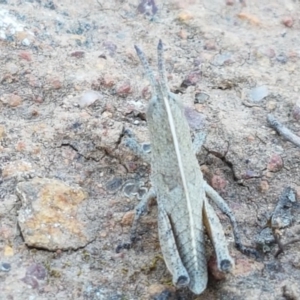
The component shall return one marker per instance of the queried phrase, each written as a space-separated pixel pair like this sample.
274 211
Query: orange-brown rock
52 215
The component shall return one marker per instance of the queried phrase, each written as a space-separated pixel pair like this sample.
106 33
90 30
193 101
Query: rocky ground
71 83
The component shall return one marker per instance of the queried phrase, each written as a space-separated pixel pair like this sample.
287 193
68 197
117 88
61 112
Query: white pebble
259 93
26 42
89 98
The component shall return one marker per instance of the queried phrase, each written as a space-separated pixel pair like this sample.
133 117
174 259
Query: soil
71 83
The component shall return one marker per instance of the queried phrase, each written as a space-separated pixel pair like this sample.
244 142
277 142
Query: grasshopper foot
140 210
182 281
226 265
247 251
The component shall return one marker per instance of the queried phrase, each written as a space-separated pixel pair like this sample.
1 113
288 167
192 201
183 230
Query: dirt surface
71 83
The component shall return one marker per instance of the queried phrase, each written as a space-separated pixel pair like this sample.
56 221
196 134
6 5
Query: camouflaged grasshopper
184 211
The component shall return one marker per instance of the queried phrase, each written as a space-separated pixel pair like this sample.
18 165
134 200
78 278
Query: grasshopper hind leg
169 249
216 234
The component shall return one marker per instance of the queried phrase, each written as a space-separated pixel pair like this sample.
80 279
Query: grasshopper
184 211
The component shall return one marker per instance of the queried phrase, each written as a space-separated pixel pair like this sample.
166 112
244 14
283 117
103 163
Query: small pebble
78 54
249 174
33 81
258 93
107 81
55 83
201 98
253 20
268 174
103 234
5 267
147 7
200 107
14 100
38 99
20 146
146 147
218 182
275 163
282 58
270 53
271 105
191 79
195 119
128 218
88 98
185 16
288 21
8 250
25 55
124 89
26 42
264 186
107 114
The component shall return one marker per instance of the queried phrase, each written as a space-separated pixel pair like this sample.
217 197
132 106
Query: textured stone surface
17 169
50 216
232 47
